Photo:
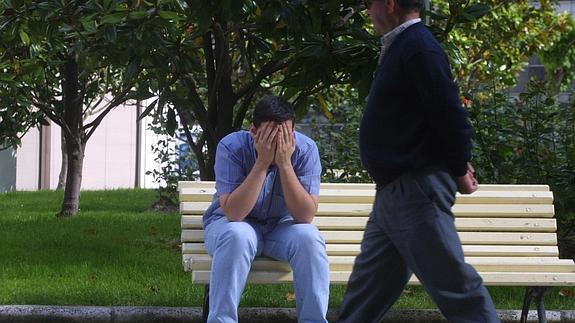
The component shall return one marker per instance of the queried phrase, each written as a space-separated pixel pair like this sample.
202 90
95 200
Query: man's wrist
261 165
284 167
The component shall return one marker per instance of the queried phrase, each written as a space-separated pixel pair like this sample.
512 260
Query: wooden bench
508 234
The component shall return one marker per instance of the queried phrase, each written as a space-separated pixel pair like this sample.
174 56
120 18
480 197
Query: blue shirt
235 158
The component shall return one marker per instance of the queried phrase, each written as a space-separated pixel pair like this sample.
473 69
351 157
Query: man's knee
239 236
306 233
306 237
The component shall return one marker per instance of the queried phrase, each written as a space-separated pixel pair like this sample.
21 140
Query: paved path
143 314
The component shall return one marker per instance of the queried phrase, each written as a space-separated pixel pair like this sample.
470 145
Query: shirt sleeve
228 168
308 170
433 84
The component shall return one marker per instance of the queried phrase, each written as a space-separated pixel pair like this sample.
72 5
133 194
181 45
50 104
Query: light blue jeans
233 246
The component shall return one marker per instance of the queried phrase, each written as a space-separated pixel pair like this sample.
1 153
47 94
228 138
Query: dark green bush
528 139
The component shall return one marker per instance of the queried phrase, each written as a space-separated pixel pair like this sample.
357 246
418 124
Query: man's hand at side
467 184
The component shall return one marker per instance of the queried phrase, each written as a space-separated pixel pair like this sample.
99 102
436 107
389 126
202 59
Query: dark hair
272 108
409 5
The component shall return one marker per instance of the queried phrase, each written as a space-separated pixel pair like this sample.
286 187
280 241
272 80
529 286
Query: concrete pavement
144 314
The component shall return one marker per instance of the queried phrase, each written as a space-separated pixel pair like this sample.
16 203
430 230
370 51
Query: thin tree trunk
209 174
71 203
64 165
73 103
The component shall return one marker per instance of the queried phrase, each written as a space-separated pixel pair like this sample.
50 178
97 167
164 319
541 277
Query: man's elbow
233 219
306 217
233 216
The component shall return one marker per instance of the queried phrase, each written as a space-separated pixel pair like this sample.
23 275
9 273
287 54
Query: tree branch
267 70
304 94
250 90
46 109
198 107
241 114
210 68
245 53
118 99
196 147
219 68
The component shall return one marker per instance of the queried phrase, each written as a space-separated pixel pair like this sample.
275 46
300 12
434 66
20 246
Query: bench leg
538 294
206 307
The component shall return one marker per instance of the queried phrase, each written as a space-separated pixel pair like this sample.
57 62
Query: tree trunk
73 108
208 174
71 203
221 109
554 81
64 165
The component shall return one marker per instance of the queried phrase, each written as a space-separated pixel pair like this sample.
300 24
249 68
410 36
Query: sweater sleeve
429 73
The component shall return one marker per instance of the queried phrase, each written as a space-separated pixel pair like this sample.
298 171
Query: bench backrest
508 233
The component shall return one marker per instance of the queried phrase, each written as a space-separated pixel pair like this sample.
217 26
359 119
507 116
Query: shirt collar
389 37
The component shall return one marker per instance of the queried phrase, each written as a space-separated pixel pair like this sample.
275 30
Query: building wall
110 156
568 5
28 161
7 170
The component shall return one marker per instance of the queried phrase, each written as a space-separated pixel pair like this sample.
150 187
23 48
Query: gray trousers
411 231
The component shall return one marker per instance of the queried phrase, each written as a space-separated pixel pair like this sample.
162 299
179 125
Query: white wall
109 160
568 6
110 157
7 170
27 161
148 157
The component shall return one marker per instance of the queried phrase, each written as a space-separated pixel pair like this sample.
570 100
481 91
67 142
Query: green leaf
170 15
314 51
133 68
324 107
88 23
477 10
137 15
114 18
437 16
111 33
24 37
149 108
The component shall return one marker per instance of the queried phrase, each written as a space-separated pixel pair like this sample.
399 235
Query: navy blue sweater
414 118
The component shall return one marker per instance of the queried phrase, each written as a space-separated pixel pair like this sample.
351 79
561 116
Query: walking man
415 141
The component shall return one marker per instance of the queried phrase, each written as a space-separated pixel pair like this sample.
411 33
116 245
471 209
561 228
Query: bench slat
366 196
341 277
367 186
487 238
462 224
460 210
345 263
507 232
469 250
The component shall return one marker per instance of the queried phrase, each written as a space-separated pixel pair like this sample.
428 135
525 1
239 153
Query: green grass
118 253
113 253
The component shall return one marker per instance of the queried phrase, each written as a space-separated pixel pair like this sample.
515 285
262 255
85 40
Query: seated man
267 187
